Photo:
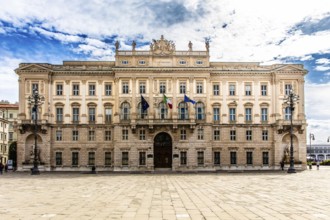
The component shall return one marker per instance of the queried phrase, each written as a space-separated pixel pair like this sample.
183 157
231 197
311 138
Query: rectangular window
199 87
232 114
58 135
287 115
287 88
59 114
162 87
75 89
91 135
58 158
91 89
216 114
248 114
233 135
264 114
248 90
75 114
108 115
91 158
200 158
265 135
142 158
142 87
249 158
75 159
11 136
125 88
125 134
183 134
216 135
182 88
125 62
108 89
107 135
59 89
216 159
91 114
249 135
232 90
265 158
107 158
216 89
183 158
232 158
264 90
142 134
35 86
75 135
124 158
200 134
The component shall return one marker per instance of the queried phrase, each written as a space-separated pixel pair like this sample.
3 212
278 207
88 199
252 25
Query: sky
281 31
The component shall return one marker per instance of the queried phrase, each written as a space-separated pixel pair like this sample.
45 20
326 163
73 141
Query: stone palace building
161 109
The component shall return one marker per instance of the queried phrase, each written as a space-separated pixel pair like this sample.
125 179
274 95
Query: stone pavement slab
267 195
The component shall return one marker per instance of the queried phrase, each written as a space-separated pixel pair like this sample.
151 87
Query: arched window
162 110
125 107
200 111
183 110
287 113
142 113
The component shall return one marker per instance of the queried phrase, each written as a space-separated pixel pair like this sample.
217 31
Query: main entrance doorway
163 150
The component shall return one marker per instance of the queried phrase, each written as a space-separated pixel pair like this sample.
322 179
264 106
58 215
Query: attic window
183 62
142 62
125 62
199 62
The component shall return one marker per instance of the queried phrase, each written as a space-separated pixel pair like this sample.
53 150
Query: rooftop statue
162 46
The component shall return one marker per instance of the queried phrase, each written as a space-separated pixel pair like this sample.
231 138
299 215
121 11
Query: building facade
233 117
318 152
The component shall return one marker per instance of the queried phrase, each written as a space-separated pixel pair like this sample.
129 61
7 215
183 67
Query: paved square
267 195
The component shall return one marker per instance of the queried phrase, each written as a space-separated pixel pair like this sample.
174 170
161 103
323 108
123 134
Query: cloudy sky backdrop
281 31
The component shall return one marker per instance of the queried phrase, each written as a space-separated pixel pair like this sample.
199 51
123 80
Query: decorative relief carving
162 46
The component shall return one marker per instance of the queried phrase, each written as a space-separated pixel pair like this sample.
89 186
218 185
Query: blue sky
295 31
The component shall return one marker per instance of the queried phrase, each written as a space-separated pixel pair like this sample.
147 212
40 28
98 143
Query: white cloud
323 61
9 79
322 68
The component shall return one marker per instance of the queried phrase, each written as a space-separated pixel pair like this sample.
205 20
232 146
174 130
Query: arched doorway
29 149
285 149
163 150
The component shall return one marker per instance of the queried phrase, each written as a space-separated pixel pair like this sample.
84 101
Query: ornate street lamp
35 99
311 137
290 100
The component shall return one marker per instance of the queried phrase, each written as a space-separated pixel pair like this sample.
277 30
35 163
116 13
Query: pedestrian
6 168
318 164
282 165
1 168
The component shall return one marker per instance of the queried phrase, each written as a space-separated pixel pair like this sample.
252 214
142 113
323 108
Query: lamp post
35 99
311 137
290 100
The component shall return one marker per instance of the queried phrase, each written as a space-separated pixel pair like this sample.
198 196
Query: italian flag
167 101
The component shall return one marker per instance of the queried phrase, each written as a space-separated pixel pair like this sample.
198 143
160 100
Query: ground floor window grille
75 158
249 158
58 157
216 158
232 158
91 158
107 158
200 158
265 158
142 158
124 158
183 158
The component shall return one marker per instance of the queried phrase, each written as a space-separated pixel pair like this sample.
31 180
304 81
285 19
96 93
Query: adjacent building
161 109
318 152
8 116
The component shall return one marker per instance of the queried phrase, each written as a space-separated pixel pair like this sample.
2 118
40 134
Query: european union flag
187 99
144 104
